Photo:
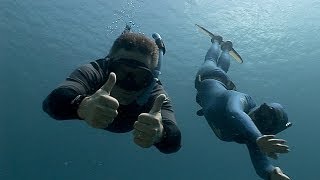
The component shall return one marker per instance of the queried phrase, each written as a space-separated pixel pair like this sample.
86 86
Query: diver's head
133 57
135 46
270 118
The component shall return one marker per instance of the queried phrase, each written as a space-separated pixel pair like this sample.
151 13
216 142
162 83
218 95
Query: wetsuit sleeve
85 80
260 161
237 105
249 133
171 141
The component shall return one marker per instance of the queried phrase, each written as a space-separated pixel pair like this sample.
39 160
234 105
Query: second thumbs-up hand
100 109
148 129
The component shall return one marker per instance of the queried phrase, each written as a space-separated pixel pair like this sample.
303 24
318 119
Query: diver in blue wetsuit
234 116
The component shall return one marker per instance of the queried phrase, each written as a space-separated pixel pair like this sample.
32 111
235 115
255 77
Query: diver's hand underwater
277 174
100 109
271 146
148 129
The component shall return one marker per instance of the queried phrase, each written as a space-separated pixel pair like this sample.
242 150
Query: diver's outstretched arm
248 130
259 145
240 120
260 161
263 166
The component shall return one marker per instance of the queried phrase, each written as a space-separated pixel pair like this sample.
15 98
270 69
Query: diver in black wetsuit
121 93
234 116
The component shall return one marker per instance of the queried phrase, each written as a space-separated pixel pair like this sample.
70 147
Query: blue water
42 41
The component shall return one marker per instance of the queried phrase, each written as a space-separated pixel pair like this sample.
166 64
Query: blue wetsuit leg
213 52
224 61
210 66
221 58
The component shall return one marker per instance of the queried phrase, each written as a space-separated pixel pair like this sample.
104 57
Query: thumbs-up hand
148 129
100 109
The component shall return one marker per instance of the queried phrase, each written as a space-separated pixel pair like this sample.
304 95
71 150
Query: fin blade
205 31
232 52
236 56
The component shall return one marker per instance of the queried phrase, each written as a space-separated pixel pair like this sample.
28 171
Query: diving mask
132 75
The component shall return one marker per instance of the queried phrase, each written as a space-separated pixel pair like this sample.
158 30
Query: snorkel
162 51
156 72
